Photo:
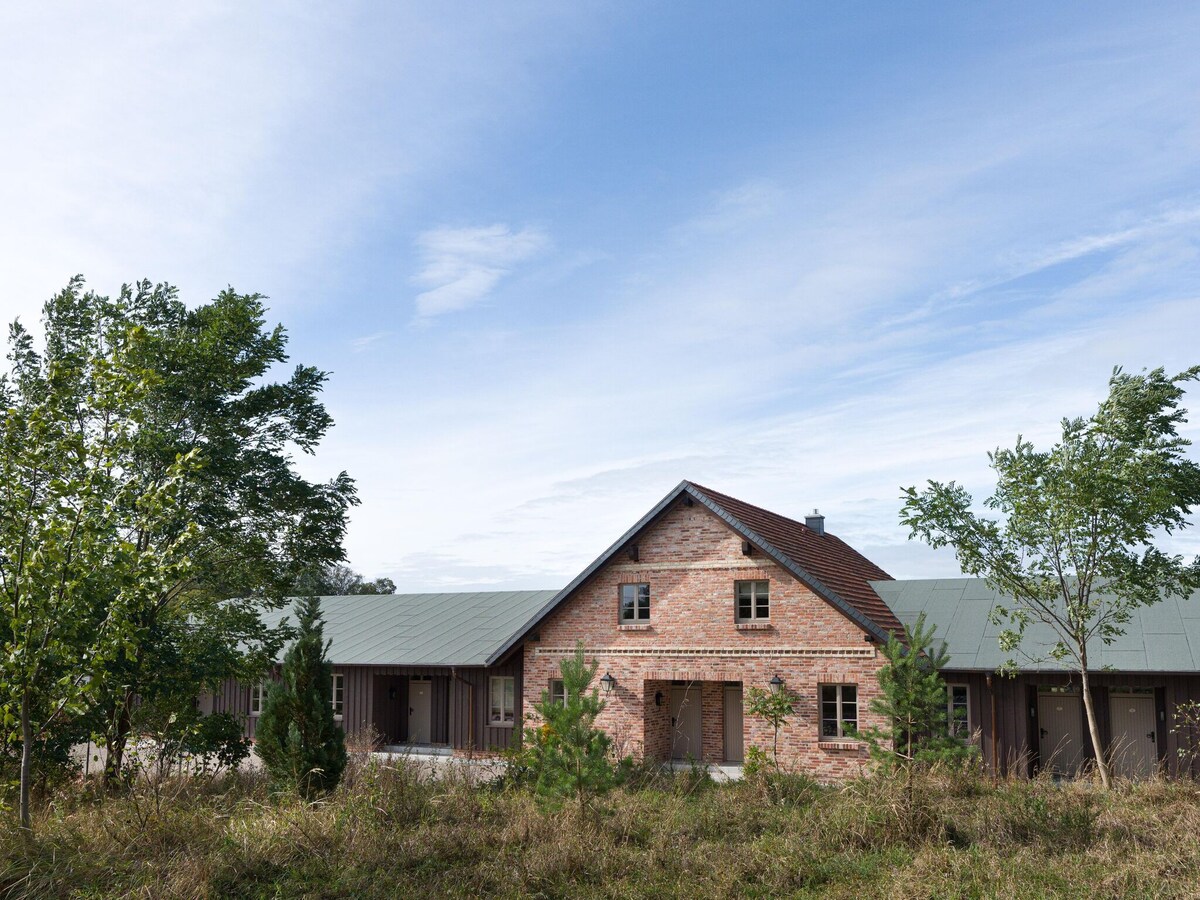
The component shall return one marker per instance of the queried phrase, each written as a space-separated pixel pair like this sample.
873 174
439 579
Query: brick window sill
634 627
753 626
838 745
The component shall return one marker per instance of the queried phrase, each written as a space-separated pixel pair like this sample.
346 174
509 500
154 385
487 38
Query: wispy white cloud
462 266
360 344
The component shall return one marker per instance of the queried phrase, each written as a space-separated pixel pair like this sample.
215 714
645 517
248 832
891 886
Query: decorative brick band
809 652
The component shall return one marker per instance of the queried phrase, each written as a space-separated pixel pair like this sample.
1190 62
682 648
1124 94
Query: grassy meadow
391 831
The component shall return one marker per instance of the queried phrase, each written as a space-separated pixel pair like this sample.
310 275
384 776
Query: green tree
913 703
256 524
1074 545
567 755
339 580
75 579
297 738
776 706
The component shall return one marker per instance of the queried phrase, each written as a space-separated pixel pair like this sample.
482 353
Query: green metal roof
1164 637
456 629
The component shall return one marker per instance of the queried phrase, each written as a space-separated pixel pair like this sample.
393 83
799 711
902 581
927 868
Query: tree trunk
117 739
26 761
1093 727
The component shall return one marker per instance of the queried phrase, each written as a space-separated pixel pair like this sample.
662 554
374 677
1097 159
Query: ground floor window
958 710
558 693
839 710
258 693
503 693
339 694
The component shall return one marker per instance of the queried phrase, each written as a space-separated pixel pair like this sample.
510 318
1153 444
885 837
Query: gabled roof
1164 637
460 629
830 568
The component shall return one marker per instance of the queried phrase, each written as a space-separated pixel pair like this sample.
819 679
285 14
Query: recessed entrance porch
693 721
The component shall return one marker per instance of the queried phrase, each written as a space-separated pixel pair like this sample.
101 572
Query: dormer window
635 603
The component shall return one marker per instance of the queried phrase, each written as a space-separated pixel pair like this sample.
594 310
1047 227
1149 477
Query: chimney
816 522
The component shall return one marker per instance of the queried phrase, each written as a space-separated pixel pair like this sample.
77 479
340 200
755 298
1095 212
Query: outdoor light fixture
609 682
658 698
776 683
392 693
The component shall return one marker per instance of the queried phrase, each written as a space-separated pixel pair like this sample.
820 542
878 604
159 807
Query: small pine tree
297 739
567 754
913 704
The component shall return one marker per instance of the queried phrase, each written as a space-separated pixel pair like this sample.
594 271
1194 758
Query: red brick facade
692 559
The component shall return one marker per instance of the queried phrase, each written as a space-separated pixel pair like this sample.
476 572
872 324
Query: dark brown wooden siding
375 704
1015 745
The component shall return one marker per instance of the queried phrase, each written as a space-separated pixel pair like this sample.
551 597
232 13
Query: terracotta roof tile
830 560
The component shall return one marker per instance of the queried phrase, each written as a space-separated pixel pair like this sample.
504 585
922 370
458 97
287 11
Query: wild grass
391 830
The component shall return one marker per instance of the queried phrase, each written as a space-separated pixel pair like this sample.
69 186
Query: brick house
704 598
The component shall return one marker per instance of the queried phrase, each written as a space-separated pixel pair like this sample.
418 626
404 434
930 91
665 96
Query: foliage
913 704
76 576
339 580
566 754
1186 727
205 393
297 738
774 706
1074 547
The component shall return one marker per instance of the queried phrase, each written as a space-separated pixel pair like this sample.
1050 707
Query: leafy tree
254 523
567 754
1074 547
339 580
75 577
913 703
774 706
297 738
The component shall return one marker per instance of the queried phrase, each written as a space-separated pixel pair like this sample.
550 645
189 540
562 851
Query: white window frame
338 695
755 614
967 724
558 692
842 702
639 588
502 714
258 692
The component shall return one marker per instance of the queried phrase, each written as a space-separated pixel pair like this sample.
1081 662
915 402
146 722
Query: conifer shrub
298 740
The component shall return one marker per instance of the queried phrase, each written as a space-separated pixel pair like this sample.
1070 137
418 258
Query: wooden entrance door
685 722
1060 733
420 711
1134 746
733 724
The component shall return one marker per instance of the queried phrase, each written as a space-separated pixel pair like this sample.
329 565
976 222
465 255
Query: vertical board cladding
1017 728
376 705
692 561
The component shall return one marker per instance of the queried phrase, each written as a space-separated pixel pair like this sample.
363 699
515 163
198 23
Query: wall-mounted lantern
776 684
658 698
608 682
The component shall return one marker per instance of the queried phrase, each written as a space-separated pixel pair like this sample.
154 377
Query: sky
558 257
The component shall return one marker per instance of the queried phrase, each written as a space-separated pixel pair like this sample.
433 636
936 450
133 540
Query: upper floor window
839 710
753 600
339 694
958 710
503 696
635 603
258 693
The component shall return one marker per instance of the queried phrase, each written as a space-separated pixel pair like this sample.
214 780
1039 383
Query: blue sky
560 256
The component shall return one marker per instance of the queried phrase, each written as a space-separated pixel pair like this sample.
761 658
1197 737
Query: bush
298 740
